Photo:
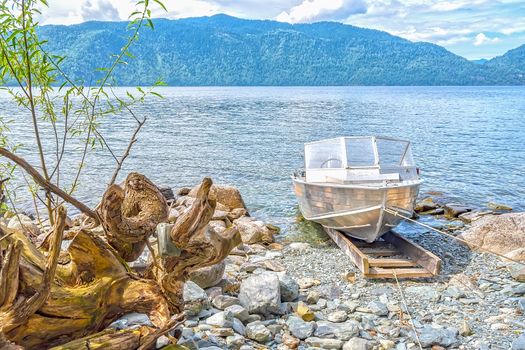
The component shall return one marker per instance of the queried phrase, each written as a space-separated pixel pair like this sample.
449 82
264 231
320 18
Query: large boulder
261 293
504 234
253 231
228 196
208 276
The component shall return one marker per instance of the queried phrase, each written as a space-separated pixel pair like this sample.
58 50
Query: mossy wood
66 298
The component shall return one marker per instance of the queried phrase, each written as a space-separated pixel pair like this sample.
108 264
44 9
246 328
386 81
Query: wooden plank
376 244
346 245
380 251
426 259
391 263
376 272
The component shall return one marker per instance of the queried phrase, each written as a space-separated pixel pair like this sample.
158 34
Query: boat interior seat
352 178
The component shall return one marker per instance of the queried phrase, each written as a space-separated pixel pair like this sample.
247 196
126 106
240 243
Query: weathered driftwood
66 298
201 246
131 214
58 303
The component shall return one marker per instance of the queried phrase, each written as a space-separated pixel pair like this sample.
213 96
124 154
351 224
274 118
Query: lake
468 141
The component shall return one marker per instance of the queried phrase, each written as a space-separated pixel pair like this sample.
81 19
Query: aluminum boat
348 182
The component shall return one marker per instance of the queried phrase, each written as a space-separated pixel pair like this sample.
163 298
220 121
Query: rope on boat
485 250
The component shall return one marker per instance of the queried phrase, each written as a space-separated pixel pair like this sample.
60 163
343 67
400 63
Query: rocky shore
274 294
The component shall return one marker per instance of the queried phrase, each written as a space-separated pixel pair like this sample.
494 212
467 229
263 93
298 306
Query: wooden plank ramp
392 255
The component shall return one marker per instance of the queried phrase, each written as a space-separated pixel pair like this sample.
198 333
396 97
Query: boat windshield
358 152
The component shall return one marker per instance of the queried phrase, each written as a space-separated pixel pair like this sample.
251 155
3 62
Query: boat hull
356 210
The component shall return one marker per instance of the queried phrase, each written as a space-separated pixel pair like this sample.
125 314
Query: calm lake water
468 141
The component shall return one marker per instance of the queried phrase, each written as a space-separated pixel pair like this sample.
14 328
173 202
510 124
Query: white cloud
316 10
457 4
482 39
101 10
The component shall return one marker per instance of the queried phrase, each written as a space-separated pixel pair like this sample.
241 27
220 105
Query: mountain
480 61
511 65
224 50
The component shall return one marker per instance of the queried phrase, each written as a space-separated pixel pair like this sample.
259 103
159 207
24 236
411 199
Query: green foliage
223 50
51 95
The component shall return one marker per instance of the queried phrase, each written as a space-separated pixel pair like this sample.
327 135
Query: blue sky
473 29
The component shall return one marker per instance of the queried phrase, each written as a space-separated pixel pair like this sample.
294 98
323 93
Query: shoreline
275 293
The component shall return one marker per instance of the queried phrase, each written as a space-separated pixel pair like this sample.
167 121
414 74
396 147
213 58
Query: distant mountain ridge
224 50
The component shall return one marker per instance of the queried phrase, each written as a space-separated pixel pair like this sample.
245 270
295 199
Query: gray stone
23 223
162 341
222 332
344 330
235 341
378 308
357 344
221 302
425 205
517 271
221 319
213 292
429 335
261 293
299 328
167 192
208 276
301 246
130 320
253 231
275 328
238 326
337 316
454 292
257 331
521 304
313 297
252 318
195 298
289 287
238 311
426 293
519 343
518 290
453 210
323 343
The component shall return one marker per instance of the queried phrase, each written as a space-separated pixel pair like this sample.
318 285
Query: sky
473 29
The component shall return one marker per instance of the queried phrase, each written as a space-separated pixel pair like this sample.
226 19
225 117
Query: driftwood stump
52 297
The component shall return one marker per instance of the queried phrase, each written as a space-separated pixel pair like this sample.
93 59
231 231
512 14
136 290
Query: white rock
357 344
261 293
238 311
258 332
221 319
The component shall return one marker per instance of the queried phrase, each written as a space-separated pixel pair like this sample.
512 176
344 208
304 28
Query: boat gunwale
401 184
357 137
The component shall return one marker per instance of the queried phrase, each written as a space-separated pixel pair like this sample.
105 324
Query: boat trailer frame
389 257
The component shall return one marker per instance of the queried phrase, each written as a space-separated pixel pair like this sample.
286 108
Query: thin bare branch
39 179
127 151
